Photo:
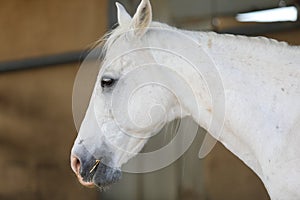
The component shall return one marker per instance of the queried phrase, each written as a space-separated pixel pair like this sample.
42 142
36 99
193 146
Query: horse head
131 102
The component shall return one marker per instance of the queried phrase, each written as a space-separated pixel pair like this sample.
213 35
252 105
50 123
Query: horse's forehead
125 54
123 59
119 62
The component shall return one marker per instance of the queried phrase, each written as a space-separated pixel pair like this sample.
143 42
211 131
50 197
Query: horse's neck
258 75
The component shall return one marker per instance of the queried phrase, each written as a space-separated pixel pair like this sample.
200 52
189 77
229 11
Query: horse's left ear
123 17
142 18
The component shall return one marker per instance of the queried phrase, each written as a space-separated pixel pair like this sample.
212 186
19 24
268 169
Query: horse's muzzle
91 172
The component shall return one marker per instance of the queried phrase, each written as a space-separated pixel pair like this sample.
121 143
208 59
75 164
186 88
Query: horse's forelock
108 39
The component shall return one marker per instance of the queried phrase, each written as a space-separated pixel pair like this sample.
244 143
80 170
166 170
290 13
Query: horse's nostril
75 164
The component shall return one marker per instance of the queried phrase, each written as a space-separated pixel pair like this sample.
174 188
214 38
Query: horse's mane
257 39
111 36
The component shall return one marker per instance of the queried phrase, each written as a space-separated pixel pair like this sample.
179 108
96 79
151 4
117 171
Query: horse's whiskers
95 166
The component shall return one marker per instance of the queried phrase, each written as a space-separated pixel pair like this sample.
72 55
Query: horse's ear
123 17
142 18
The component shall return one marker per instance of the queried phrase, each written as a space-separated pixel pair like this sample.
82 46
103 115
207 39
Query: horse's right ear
124 19
142 18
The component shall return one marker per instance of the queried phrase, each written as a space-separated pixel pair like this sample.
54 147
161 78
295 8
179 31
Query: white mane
261 42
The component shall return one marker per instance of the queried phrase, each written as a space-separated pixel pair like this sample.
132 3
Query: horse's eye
107 82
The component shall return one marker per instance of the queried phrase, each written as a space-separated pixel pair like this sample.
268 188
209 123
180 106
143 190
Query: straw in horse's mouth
95 166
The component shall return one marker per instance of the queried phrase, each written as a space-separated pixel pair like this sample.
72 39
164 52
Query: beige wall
227 177
36 124
33 27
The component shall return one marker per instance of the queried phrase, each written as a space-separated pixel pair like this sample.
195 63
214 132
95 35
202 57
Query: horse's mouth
89 184
92 172
99 175
85 183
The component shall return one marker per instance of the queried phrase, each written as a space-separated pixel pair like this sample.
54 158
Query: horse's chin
106 176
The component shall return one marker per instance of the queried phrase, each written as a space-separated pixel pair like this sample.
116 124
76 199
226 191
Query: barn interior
42 46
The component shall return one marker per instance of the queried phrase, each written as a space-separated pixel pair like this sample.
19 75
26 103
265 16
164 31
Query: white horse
260 80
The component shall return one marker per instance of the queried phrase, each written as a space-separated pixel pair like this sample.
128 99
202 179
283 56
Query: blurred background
41 45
